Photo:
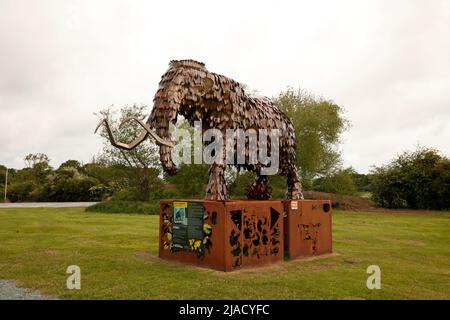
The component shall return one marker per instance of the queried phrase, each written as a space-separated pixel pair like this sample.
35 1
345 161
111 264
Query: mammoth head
183 89
185 84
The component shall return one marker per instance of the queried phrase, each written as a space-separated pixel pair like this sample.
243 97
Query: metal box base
235 234
307 228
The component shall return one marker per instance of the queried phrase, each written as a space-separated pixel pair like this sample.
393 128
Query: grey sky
387 62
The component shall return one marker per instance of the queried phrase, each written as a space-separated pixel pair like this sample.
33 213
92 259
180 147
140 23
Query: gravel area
47 204
9 291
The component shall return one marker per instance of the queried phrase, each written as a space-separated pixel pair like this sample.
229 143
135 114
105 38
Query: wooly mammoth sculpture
190 90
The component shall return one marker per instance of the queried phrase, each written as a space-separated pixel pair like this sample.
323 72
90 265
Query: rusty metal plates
208 251
236 234
308 227
230 235
254 233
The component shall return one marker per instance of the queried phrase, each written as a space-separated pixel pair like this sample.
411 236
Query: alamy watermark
74 280
374 280
237 147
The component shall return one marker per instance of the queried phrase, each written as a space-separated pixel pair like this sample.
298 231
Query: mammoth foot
294 187
295 192
294 195
216 189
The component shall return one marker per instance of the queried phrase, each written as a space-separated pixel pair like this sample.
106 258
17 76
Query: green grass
118 259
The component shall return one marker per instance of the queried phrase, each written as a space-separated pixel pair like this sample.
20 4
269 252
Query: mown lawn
117 255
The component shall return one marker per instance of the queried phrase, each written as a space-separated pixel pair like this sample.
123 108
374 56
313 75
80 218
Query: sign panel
187 223
294 205
179 212
195 221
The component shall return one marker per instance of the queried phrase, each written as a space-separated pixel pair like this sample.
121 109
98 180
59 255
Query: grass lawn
117 255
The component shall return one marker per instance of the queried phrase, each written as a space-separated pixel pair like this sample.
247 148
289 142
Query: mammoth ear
207 85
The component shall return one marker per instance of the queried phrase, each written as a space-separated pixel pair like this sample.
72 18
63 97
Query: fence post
6 183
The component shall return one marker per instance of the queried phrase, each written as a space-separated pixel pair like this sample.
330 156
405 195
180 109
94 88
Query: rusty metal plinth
230 235
307 228
236 234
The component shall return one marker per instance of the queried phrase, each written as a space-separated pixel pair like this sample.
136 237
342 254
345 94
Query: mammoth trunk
163 119
165 154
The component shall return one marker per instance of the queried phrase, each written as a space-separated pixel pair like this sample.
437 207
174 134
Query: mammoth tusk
118 144
146 127
99 124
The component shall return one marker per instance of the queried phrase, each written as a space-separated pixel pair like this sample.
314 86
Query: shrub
130 194
417 180
38 194
156 189
71 190
99 192
170 194
20 191
132 207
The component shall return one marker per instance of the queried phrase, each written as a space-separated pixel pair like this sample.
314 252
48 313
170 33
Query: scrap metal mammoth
190 90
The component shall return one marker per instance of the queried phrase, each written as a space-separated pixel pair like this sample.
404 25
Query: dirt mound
342 202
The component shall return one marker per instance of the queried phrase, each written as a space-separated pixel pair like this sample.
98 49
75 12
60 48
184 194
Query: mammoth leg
260 189
294 187
217 189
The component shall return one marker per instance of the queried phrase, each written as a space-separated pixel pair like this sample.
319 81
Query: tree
68 189
339 182
137 162
362 181
20 191
38 165
318 125
70 164
37 159
117 177
418 180
2 174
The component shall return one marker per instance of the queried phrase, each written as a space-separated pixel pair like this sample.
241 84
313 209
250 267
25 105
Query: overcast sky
386 62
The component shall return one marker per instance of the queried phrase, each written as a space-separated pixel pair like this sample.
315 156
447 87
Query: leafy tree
117 177
20 191
72 164
72 189
362 181
21 183
339 182
39 182
318 125
37 159
2 174
418 180
38 165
